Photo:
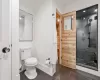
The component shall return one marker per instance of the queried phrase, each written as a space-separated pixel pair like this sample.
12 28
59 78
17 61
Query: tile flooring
62 73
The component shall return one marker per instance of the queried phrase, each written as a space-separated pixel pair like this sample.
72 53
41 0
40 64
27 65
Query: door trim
14 7
57 11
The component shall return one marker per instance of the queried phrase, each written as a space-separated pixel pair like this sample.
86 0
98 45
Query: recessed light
84 11
72 16
20 18
95 10
83 18
58 20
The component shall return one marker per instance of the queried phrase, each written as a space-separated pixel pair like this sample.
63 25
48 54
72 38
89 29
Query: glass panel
68 23
87 37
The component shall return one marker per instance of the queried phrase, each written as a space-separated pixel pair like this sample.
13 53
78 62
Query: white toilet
29 62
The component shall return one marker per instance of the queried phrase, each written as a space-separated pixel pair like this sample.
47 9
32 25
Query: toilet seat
31 61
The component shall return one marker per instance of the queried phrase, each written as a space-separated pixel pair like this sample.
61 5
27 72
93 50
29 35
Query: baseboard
49 70
93 72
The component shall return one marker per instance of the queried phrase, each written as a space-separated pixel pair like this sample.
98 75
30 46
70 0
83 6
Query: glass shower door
87 37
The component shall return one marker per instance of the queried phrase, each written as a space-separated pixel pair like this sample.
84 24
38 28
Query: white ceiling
31 4
35 4
64 3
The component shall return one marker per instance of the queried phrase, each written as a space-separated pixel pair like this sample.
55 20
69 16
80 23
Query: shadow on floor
62 73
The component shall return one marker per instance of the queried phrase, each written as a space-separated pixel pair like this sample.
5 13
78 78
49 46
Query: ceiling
63 3
88 11
31 4
36 3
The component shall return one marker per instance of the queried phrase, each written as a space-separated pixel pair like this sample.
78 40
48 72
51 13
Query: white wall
57 5
81 4
45 39
25 5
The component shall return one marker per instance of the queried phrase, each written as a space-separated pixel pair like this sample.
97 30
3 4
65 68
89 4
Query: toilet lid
31 61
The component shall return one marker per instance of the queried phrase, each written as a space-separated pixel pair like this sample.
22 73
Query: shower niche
87 37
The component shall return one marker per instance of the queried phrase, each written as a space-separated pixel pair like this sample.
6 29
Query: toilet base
31 73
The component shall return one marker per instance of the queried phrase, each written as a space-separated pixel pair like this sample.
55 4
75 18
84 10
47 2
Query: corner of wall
50 70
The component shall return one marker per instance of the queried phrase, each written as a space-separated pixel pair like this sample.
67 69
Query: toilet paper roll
47 62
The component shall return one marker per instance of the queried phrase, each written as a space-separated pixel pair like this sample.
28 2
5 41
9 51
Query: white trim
57 11
15 39
49 70
88 70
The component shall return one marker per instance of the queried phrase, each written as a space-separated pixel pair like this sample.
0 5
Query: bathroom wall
94 31
82 32
25 5
45 40
46 35
56 7
81 4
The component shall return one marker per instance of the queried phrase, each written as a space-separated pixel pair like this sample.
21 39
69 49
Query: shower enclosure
87 37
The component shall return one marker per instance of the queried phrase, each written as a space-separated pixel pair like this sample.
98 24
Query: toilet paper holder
48 59
48 62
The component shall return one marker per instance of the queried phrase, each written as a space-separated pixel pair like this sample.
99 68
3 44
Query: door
68 57
5 40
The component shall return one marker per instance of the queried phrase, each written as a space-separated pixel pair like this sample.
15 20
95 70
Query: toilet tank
25 53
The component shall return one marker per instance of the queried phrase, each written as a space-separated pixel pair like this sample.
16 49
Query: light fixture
58 20
95 10
20 18
84 18
84 11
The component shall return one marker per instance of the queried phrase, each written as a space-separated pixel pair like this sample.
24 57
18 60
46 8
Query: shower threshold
87 66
